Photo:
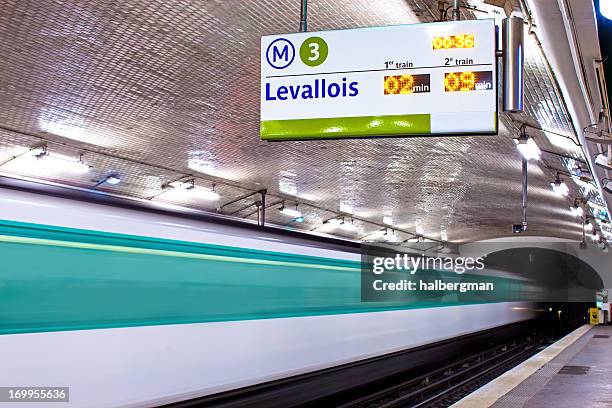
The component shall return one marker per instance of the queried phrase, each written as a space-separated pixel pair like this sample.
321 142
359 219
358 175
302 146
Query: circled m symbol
280 53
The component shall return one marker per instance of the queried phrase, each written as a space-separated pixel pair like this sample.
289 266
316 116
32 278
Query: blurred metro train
134 306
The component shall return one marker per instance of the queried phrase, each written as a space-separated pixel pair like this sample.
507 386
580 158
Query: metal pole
524 194
263 207
242 197
513 62
456 10
304 16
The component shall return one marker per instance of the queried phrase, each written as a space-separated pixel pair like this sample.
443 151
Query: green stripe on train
357 126
55 278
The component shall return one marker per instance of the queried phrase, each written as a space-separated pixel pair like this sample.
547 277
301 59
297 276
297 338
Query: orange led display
406 84
453 41
468 81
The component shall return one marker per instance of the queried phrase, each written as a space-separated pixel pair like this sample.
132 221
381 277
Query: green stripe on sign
358 126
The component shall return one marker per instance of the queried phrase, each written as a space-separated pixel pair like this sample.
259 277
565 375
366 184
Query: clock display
453 41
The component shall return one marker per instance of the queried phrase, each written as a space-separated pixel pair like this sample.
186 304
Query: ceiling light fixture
582 182
348 226
559 187
602 161
527 147
57 162
334 221
391 236
290 212
576 209
200 192
113 179
607 186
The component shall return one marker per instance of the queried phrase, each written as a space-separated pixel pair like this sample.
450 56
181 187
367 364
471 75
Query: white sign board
421 79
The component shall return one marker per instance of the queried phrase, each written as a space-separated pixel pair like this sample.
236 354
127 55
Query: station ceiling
161 90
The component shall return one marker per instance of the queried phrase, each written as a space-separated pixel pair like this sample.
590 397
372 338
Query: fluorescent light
345 208
576 211
391 236
605 8
528 148
602 161
200 192
379 233
113 180
387 220
584 184
560 188
348 226
206 194
58 162
182 185
290 212
335 221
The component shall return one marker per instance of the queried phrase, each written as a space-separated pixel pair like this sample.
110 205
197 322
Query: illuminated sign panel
468 81
407 80
453 41
406 84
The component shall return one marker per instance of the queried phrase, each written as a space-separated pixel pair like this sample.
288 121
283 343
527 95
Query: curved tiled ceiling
155 90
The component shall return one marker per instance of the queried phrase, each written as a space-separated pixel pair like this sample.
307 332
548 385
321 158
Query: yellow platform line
488 394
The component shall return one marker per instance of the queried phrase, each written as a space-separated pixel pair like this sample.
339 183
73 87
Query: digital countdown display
432 79
406 84
453 41
468 81
453 82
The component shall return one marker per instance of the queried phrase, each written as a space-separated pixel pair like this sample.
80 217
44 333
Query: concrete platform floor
574 372
585 380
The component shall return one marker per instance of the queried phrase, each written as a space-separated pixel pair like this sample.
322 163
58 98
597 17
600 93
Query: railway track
444 386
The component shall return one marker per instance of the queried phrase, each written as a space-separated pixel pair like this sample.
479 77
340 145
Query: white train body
55 329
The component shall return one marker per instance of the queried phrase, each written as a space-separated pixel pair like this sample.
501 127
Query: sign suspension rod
304 16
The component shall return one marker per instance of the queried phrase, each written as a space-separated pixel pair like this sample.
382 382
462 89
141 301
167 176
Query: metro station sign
407 80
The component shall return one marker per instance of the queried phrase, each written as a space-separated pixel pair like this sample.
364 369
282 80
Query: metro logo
280 53
284 54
